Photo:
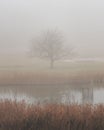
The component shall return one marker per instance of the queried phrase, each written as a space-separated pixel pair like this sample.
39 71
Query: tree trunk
52 64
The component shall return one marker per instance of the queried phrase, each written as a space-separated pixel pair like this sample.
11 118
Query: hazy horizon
81 22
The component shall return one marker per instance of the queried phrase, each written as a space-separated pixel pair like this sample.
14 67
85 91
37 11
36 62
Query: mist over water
52 79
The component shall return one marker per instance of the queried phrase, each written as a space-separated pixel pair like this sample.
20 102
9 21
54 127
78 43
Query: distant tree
50 46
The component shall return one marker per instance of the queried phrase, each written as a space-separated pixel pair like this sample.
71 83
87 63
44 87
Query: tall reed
21 116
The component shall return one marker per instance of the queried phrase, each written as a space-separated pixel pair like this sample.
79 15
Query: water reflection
60 94
87 95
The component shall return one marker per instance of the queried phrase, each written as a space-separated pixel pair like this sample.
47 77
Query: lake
93 94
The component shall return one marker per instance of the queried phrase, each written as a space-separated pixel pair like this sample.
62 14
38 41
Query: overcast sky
81 21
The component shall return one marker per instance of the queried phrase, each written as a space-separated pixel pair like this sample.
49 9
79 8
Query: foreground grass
20 116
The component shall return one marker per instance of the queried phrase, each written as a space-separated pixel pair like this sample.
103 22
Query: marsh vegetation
20 116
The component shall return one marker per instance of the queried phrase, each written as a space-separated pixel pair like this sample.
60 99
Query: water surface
55 94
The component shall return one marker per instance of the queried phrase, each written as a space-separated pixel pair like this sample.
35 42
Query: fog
80 21
79 79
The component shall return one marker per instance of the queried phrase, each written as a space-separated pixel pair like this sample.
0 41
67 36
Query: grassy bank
20 116
63 73
44 77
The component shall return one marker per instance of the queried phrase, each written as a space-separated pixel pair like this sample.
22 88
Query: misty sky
81 21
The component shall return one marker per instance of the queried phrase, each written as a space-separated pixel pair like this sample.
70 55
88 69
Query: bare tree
50 46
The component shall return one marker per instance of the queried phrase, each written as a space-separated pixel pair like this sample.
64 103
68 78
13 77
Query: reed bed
21 116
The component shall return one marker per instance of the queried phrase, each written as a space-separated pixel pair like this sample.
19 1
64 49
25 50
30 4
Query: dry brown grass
50 77
20 116
63 73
